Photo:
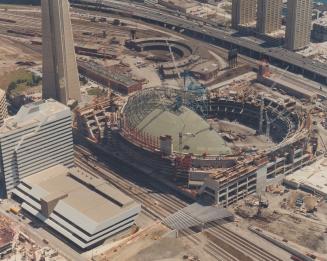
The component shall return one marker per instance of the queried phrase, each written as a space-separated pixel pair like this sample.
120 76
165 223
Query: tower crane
262 106
174 61
280 76
269 122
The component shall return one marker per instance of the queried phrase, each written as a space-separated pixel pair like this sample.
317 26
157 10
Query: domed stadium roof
197 135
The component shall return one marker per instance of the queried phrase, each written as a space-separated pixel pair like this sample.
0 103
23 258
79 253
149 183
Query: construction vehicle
15 210
262 204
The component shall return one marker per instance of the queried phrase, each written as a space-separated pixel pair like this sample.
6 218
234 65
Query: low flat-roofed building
184 6
117 81
206 71
311 178
292 86
84 209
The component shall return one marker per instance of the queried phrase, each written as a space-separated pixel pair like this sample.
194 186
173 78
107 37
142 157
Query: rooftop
313 176
321 21
206 67
183 3
88 197
113 76
33 113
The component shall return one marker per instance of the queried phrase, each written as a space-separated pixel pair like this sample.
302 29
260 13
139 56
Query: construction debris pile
6 235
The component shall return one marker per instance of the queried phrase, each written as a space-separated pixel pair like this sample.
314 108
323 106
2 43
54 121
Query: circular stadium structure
171 55
184 117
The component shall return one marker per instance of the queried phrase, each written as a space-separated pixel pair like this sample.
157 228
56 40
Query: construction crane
269 122
323 143
174 61
280 77
189 85
262 204
262 106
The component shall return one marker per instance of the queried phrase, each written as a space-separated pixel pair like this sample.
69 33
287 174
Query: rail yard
174 121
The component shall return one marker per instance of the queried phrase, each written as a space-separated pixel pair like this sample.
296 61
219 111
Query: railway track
150 208
157 204
241 244
25 21
161 204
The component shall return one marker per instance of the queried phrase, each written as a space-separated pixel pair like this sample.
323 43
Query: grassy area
14 76
21 88
95 91
17 82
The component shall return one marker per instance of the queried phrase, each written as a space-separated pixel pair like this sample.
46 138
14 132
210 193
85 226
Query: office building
3 106
269 16
298 24
60 75
84 209
243 12
37 137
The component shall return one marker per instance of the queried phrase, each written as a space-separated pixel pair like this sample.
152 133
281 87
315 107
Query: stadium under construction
178 134
174 125
224 130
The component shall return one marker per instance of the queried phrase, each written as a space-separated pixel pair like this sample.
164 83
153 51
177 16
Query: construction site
216 127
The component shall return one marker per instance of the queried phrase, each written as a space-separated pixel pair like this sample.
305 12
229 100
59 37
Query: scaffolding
198 99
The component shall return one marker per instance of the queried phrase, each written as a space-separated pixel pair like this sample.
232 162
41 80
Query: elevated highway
210 33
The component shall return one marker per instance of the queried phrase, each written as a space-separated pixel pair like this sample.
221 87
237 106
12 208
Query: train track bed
158 203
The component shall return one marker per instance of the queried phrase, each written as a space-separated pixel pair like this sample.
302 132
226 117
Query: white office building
3 107
82 208
37 137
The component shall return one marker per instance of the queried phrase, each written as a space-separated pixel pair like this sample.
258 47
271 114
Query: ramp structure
195 215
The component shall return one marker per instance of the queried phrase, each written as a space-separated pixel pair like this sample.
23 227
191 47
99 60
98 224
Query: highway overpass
279 57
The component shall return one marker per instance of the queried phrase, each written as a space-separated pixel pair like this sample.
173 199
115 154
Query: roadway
280 57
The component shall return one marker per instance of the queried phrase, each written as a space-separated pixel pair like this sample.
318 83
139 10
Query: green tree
12 86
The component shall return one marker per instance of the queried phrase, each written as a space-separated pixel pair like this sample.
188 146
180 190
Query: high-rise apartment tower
60 75
298 24
243 12
269 14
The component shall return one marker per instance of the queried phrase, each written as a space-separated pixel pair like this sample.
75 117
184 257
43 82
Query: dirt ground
156 244
307 231
11 52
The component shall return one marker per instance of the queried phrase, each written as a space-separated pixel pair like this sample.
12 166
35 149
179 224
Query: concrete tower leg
60 75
